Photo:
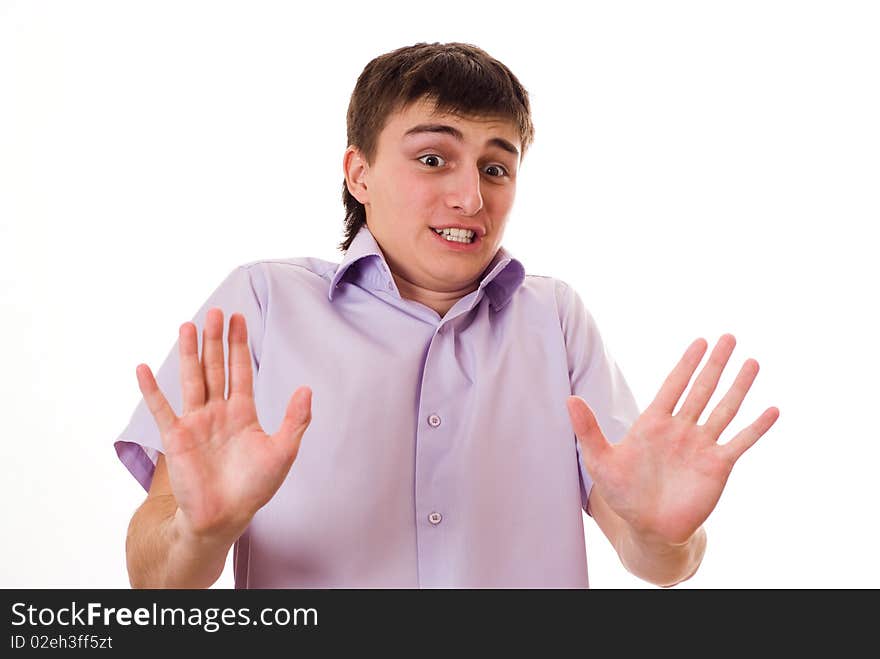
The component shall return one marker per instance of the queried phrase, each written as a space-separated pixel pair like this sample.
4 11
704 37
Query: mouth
458 240
464 236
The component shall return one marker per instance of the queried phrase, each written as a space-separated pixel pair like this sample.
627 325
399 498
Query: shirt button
435 518
434 420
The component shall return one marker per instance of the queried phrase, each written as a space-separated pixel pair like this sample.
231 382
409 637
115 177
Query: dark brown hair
460 78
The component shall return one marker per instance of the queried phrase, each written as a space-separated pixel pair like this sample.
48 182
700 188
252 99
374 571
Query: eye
431 158
501 171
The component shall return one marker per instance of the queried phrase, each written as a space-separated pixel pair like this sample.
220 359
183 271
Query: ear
355 168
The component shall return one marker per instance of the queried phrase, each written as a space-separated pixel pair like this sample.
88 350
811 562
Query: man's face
432 171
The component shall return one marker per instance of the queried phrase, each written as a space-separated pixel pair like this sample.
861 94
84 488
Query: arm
160 553
661 563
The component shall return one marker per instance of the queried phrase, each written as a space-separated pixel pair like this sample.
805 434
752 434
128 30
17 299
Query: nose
465 195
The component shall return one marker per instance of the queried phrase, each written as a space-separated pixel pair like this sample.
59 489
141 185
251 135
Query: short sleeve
594 375
139 444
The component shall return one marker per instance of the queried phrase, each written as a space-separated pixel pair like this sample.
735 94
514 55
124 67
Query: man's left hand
666 475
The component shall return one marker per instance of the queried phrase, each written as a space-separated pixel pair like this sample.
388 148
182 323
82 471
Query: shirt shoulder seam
252 264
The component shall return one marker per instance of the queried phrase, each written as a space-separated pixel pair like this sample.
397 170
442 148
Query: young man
450 415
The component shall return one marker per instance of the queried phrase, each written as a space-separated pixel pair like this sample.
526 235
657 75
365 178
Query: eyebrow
457 134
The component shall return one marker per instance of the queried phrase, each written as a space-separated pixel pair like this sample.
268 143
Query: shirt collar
365 265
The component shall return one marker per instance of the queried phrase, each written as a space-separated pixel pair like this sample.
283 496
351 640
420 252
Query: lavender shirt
440 452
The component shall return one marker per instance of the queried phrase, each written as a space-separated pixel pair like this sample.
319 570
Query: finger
296 420
677 381
192 382
590 438
156 401
724 412
748 436
212 355
240 374
704 385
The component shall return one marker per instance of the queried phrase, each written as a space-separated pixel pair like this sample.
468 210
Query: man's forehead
421 113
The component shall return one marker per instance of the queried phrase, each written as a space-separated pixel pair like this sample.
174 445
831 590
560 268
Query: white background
699 168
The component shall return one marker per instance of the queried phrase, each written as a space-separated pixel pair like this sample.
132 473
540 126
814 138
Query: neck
439 301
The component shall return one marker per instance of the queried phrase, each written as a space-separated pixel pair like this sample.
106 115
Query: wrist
185 535
658 543
661 561
194 559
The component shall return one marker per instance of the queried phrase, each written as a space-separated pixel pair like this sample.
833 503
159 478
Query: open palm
667 473
221 464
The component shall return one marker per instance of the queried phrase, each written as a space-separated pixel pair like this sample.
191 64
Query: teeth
456 235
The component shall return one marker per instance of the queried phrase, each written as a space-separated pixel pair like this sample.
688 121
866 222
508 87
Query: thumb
296 419
590 438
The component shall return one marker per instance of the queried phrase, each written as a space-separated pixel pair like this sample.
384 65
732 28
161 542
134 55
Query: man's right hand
221 465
